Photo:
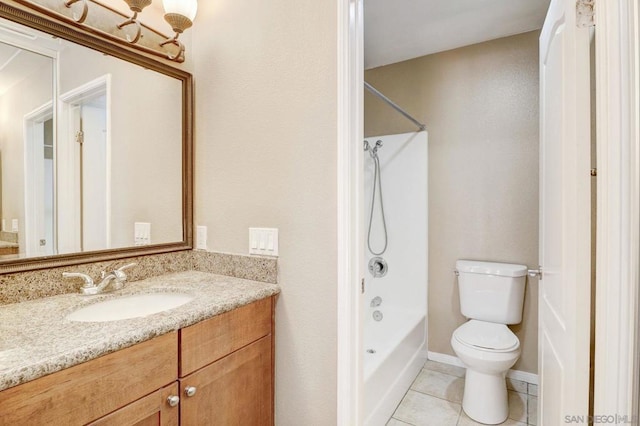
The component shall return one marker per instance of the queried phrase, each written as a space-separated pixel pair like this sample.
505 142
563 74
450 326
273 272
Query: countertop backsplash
31 285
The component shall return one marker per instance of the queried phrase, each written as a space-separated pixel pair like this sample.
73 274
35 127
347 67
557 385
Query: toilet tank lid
491 268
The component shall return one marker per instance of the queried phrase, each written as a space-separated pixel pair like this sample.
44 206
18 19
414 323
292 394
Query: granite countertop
36 339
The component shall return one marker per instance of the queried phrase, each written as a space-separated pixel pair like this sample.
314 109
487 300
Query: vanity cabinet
220 368
221 389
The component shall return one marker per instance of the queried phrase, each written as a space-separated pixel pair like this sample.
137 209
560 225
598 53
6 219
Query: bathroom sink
126 307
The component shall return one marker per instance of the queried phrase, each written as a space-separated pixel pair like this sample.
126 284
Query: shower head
372 150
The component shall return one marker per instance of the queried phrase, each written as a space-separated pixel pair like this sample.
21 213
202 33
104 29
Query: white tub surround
395 305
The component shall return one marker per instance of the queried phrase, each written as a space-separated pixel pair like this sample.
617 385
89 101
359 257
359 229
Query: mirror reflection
90 149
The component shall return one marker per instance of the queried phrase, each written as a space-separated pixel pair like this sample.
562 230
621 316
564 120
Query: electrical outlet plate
142 234
263 241
201 237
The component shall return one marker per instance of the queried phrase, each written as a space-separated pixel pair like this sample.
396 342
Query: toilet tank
492 292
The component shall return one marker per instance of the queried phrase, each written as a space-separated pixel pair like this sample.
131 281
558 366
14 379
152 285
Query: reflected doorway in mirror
83 186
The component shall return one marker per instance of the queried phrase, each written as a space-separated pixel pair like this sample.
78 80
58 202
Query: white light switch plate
263 241
141 233
201 237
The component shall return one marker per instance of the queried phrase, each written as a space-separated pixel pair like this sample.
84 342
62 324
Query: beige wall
480 105
265 75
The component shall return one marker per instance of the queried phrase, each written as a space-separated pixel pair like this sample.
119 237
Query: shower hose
377 181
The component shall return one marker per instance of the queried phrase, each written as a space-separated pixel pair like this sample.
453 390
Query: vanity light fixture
110 23
136 7
180 15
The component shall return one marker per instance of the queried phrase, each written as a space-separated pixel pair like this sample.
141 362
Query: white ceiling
397 30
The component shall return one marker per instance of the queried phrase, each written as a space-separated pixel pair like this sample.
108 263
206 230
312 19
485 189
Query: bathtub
394 353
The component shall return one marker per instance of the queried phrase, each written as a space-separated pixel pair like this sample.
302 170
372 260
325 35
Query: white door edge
565 217
617 349
349 180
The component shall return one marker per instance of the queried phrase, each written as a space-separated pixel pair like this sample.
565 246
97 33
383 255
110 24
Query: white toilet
491 296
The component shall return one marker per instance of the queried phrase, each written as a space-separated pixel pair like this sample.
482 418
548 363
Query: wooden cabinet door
152 410
236 390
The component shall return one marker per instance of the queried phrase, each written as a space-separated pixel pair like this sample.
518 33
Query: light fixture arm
132 21
175 42
85 10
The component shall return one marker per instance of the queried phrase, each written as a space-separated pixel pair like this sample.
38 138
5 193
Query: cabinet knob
173 400
190 390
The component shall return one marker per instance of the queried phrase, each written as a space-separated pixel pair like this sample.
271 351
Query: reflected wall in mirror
91 149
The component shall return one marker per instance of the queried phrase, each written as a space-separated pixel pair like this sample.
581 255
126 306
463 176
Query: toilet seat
486 336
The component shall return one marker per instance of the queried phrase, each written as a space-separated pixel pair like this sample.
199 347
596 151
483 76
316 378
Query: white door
95 229
564 290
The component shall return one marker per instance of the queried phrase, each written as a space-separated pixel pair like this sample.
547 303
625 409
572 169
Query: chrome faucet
117 278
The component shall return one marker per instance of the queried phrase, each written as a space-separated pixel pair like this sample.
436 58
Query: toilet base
485 397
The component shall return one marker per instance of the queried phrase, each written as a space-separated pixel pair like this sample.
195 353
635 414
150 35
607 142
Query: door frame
350 250
33 196
617 346
618 205
70 237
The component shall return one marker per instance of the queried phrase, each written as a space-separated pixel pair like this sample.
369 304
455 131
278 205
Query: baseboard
424 353
454 360
444 358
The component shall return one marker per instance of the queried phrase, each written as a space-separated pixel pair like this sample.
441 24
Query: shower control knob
378 267
376 301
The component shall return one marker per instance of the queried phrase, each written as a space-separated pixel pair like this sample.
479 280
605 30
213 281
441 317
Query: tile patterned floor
435 399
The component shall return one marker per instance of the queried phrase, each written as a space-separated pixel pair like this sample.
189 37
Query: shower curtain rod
395 106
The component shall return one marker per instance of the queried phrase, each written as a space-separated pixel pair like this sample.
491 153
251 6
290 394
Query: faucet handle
127 266
88 281
119 273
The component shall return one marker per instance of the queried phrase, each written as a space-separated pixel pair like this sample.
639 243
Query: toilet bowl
488 351
491 296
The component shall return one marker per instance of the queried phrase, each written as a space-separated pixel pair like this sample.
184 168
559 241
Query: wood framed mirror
96 147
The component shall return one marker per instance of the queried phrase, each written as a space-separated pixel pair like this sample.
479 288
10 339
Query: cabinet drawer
87 391
212 339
